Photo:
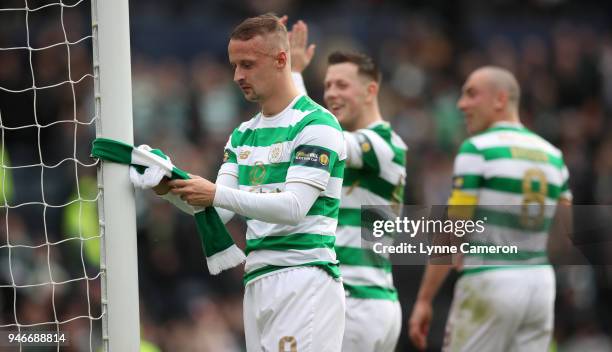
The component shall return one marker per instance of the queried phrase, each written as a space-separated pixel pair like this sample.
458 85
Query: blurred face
346 92
254 66
478 102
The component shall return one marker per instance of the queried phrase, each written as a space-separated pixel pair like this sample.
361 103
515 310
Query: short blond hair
262 25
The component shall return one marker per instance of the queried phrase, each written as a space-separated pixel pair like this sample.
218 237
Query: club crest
276 153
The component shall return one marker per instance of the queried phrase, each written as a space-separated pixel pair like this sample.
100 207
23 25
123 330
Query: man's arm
287 207
422 312
301 53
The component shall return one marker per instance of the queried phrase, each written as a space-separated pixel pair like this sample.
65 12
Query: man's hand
301 55
196 191
419 323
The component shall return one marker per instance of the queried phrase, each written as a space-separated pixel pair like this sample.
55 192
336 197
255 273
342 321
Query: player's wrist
218 195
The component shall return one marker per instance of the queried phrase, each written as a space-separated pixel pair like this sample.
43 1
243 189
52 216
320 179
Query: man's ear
282 59
372 90
501 100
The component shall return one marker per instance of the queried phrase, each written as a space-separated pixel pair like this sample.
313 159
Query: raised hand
301 52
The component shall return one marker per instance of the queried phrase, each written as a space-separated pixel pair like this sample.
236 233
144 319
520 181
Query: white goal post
113 107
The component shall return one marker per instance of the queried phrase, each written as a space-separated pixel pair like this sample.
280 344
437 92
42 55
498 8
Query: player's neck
510 117
370 115
279 101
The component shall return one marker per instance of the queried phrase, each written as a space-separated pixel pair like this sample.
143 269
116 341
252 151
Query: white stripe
397 141
358 197
317 224
334 188
229 168
267 188
389 171
392 173
350 236
314 176
383 151
260 258
469 164
366 276
515 168
508 202
322 136
513 139
263 154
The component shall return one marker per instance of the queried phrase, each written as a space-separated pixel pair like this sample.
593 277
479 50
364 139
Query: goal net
52 278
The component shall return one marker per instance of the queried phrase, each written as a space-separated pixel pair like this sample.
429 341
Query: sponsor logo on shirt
312 156
244 154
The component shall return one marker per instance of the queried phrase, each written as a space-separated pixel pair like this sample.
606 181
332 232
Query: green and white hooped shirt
513 178
303 143
375 175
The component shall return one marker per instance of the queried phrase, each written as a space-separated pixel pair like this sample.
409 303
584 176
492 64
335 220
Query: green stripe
505 184
371 292
231 157
468 147
370 181
349 217
111 150
512 185
249 175
330 268
471 181
266 136
386 133
325 206
517 153
508 220
338 169
362 257
305 104
369 157
476 270
295 241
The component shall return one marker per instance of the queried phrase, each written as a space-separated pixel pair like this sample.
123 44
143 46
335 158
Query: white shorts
372 325
298 309
502 310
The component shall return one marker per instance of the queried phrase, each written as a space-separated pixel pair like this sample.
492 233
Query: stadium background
185 102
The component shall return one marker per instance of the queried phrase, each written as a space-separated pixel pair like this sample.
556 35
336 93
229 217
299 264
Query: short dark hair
260 25
365 65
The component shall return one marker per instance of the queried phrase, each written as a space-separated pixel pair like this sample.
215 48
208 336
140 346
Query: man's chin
251 97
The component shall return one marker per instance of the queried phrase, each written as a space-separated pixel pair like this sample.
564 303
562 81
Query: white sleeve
288 207
230 181
354 157
299 82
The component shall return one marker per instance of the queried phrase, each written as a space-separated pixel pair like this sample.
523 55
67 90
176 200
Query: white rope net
50 273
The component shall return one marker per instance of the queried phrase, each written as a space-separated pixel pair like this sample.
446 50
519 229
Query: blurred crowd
184 102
